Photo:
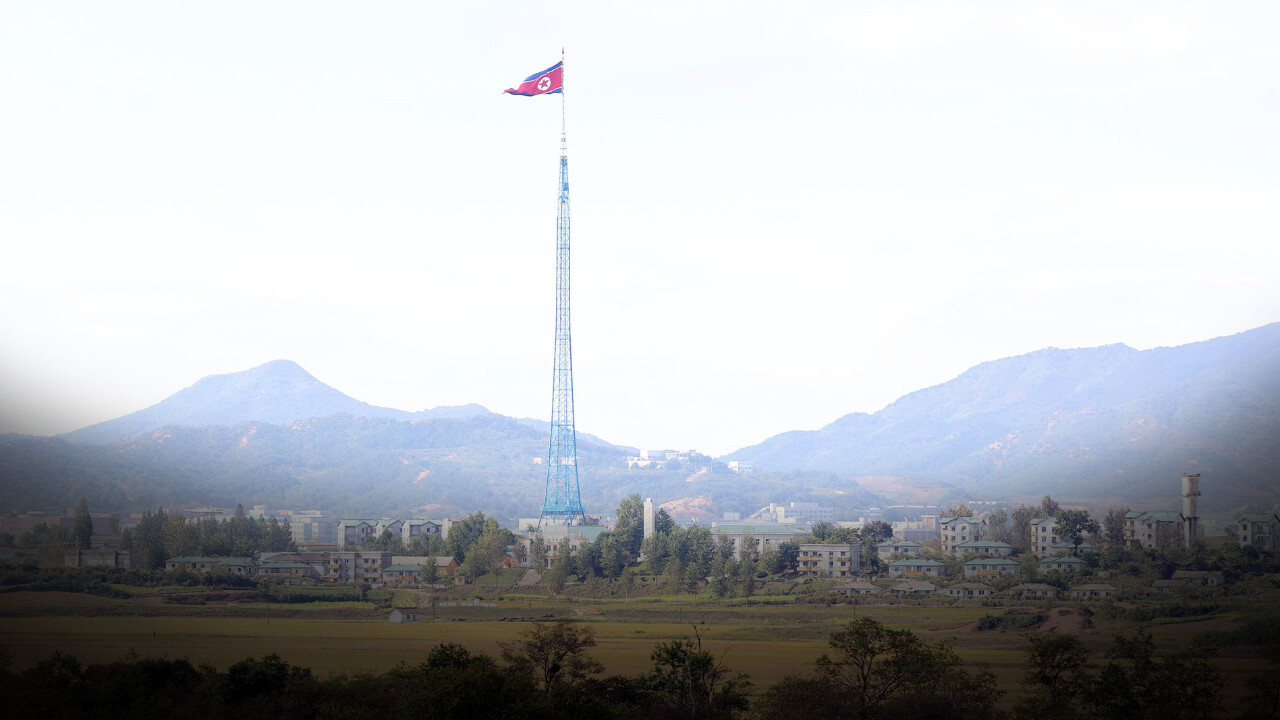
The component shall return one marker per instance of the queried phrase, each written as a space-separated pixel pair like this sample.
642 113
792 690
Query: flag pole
564 149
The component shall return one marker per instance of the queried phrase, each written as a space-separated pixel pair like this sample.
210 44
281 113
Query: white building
818 560
802 513
1044 534
762 535
960 530
1261 530
308 526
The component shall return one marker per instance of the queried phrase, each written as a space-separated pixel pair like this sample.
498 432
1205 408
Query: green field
766 641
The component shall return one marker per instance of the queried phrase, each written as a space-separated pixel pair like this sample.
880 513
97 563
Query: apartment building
1044 534
1153 528
907 548
817 560
960 530
357 566
1261 530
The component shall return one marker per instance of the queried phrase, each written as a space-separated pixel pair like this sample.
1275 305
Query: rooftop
756 529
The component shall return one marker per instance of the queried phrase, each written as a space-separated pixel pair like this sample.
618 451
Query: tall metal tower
563 502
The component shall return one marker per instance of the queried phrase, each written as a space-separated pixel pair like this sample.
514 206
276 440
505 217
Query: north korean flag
546 82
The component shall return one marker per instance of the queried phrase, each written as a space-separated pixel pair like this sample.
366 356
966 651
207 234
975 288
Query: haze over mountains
1092 423
277 392
1095 424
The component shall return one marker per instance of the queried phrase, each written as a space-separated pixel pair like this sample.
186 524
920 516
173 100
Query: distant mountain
278 392
355 465
275 434
1108 423
1094 423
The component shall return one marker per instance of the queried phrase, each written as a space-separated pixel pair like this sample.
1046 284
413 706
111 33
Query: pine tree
82 531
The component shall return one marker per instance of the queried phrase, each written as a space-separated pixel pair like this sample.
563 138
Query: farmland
765 638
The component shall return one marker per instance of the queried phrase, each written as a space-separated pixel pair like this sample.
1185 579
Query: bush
1009 621
1147 614
295 594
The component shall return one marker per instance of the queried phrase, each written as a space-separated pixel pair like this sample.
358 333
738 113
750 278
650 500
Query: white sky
782 212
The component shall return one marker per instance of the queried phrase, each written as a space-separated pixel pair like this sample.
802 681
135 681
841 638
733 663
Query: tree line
159 536
869 671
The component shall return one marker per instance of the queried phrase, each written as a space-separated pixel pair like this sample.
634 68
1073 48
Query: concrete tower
650 518
1190 506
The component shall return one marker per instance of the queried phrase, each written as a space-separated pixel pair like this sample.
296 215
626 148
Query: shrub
1010 621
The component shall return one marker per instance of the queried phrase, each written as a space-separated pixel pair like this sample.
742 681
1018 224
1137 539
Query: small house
991 567
399 615
855 587
1210 578
908 548
970 591
986 548
914 588
1062 563
917 567
1033 591
1094 590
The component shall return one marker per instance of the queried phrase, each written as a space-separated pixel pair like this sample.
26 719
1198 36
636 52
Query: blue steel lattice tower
563 502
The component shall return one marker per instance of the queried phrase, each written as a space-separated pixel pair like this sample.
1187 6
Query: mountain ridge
1091 419
1104 423
276 392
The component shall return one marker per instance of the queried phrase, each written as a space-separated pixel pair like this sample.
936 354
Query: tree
1020 526
179 538
1073 524
1136 684
960 510
1056 673
662 522
673 577
82 531
695 683
788 556
448 655
464 534
1048 507
724 547
553 653
430 573
1263 700
538 553
491 546
474 566
998 526
1113 526
50 541
874 664
387 542
277 537
564 556
876 532
744 577
629 530
149 538
720 586
770 560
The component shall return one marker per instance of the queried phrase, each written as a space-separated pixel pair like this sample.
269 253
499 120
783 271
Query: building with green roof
1260 530
917 567
991 567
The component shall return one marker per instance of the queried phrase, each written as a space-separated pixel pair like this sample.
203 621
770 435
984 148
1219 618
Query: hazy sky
782 212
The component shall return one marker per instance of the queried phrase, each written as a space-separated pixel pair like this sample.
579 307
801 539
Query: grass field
765 641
